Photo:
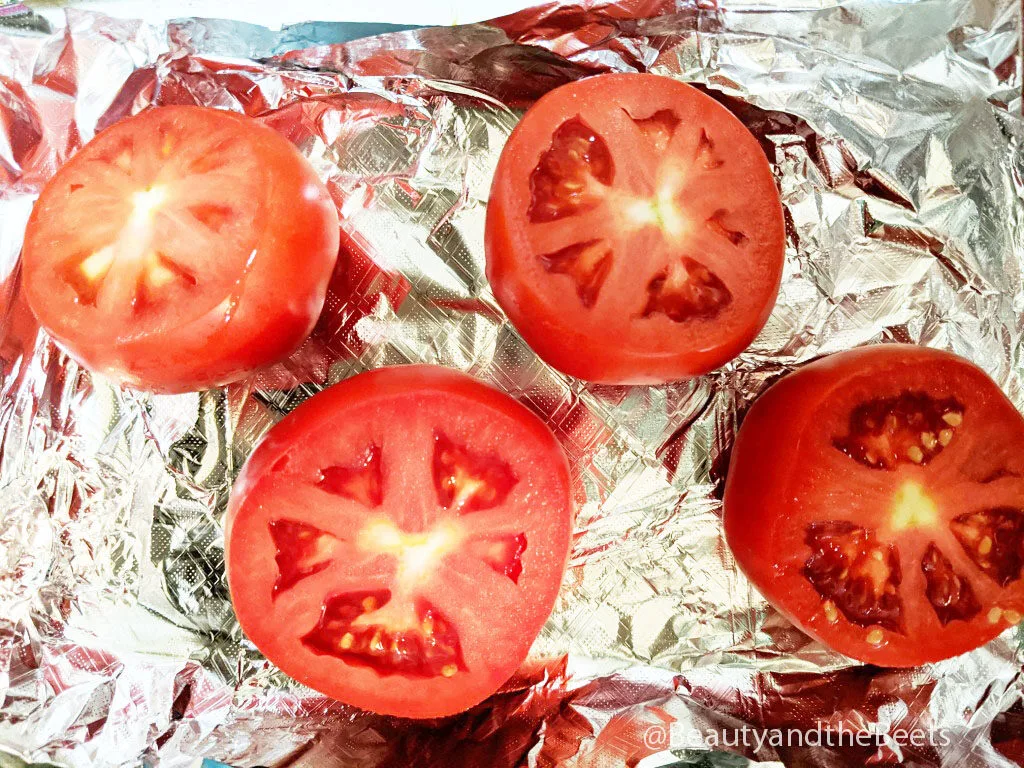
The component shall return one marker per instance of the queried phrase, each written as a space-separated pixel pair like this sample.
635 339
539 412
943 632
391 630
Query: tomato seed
831 613
994 540
949 593
686 289
300 550
856 572
886 432
376 643
588 263
578 157
389 651
362 483
468 481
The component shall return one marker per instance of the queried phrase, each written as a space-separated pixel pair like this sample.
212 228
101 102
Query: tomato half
181 249
876 498
634 231
398 540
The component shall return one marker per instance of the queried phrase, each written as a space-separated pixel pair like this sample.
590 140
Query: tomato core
912 507
418 554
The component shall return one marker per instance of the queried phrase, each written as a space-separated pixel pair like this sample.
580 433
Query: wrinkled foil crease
894 130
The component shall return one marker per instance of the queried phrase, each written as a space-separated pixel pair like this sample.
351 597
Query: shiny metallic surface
895 133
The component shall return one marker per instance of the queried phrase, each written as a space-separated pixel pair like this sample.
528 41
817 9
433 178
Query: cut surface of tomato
398 540
180 249
876 498
634 231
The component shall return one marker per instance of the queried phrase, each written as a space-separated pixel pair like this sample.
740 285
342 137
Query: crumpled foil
895 133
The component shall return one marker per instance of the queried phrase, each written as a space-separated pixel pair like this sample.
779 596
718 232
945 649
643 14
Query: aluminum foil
895 133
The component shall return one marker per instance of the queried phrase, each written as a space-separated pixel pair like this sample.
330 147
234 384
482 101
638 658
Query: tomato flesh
634 231
166 253
876 497
398 540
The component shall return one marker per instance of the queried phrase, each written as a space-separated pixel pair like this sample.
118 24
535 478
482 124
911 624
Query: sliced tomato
180 249
634 231
876 498
398 540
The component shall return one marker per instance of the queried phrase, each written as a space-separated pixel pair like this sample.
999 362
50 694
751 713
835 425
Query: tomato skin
626 353
770 475
281 297
249 559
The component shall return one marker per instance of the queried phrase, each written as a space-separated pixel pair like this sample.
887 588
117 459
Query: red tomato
876 498
181 249
398 540
634 231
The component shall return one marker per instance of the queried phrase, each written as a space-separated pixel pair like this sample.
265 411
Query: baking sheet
894 131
